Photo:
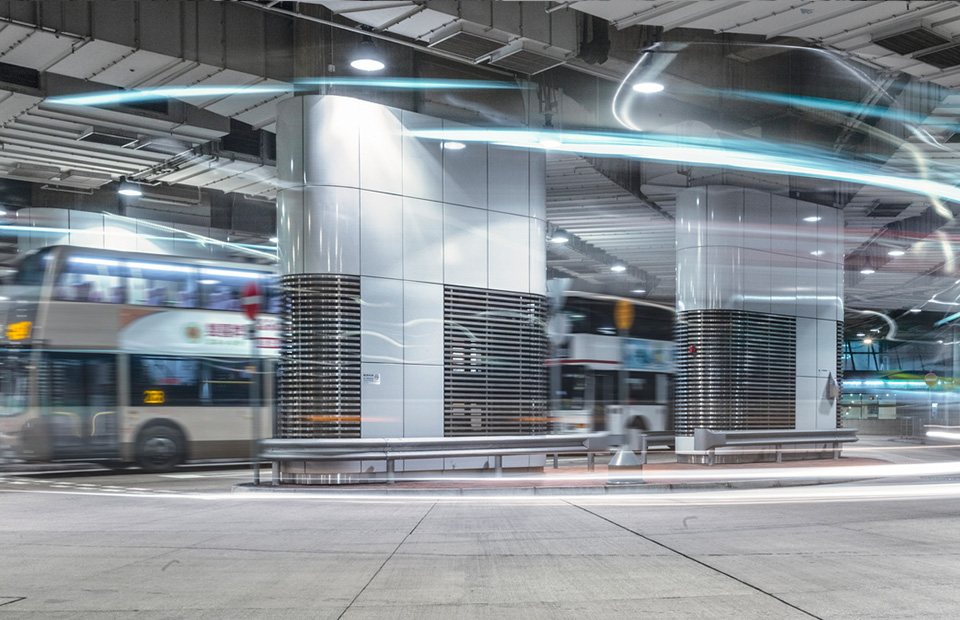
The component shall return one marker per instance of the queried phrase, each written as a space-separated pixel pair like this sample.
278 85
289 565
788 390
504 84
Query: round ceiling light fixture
367 57
129 189
648 88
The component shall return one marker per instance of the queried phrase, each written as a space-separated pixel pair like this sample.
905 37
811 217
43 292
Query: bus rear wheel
160 449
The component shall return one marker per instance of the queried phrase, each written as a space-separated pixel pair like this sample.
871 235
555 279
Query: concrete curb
383 490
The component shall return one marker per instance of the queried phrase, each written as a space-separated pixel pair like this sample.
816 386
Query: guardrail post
643 449
391 471
275 473
498 465
589 461
836 450
779 453
556 461
711 457
256 472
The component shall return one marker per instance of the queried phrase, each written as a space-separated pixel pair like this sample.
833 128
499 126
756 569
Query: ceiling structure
896 56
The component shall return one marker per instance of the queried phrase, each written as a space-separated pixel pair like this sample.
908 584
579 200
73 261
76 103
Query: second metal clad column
759 301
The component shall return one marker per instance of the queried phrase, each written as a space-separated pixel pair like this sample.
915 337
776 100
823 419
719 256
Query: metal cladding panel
495 381
736 371
319 374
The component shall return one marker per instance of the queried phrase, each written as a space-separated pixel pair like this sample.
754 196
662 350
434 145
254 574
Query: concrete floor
77 550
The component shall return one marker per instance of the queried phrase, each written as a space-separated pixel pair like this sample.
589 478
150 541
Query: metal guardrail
706 440
391 449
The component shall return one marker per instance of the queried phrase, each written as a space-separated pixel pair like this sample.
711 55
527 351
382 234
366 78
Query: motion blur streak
191 92
793 495
749 155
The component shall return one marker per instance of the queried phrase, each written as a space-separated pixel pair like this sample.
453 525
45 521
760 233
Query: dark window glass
573 384
641 388
32 268
226 382
171 381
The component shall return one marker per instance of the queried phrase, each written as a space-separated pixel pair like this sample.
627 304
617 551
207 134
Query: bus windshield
33 268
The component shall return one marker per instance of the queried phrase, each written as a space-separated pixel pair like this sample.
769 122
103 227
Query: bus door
81 407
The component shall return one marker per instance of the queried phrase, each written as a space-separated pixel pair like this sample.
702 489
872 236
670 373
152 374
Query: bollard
589 461
498 465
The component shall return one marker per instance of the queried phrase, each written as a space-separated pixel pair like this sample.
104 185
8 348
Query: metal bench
706 440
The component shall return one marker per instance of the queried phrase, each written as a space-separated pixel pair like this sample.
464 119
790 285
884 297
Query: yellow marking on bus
19 331
76 420
93 421
535 419
153 397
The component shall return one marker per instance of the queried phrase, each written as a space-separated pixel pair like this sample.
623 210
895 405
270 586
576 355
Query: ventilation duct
31 172
97 136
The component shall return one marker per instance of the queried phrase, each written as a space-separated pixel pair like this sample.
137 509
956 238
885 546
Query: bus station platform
575 479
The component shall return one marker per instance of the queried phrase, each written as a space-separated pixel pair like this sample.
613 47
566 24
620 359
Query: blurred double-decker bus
133 358
598 368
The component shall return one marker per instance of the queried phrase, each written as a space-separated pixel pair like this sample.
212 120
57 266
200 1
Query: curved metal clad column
382 235
319 249
759 301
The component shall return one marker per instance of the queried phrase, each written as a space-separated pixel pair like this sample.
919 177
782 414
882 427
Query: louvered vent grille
495 381
839 370
526 61
942 58
741 374
910 41
319 373
467 45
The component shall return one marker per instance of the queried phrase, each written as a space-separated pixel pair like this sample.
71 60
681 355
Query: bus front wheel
160 449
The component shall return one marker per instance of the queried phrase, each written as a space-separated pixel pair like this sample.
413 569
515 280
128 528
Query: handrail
707 440
391 449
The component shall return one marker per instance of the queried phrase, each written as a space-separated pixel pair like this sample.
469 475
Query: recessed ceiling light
454 146
896 253
914 310
129 189
868 341
875 330
648 87
817 253
812 218
638 291
860 334
618 267
273 239
559 237
867 271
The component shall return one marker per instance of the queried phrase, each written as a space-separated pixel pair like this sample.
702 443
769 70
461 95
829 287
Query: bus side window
164 380
162 284
226 382
91 278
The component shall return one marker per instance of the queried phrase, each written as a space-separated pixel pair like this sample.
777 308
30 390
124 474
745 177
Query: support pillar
760 312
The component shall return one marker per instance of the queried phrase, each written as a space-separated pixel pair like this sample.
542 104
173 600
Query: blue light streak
706 151
205 92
